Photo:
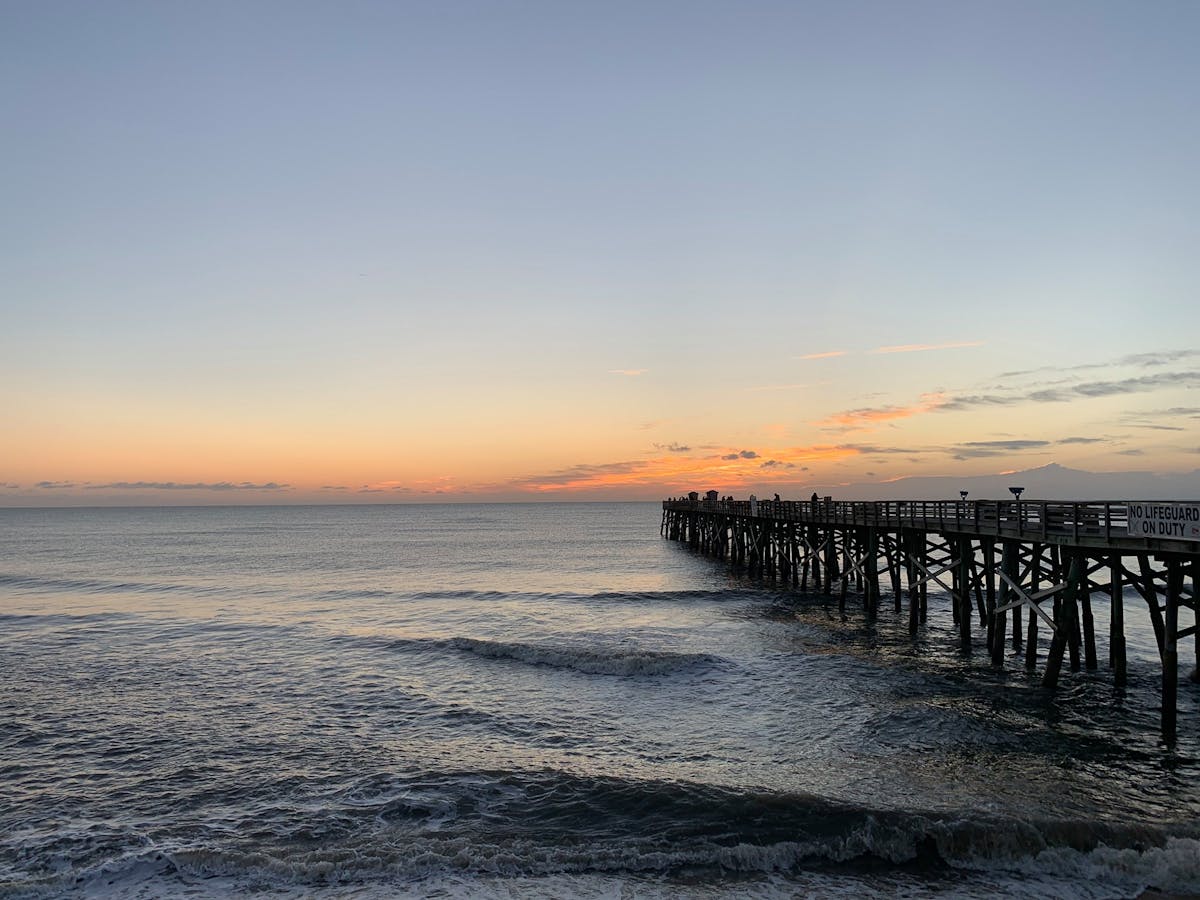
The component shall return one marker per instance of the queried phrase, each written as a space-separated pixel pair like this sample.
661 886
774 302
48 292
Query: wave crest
590 660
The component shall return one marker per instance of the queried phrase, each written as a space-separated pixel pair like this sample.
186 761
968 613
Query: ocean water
537 701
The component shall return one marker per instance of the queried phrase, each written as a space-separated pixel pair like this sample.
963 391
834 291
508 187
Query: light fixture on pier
963 494
1016 491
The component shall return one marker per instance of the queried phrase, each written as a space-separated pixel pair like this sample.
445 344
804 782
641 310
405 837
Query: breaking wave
388 831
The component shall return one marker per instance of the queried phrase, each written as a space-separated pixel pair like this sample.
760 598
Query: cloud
1088 389
672 471
334 487
673 448
970 401
1082 440
56 485
828 354
393 486
629 372
1158 358
975 449
1137 384
853 419
918 348
9 486
1050 395
188 486
1157 427
876 449
581 475
1134 452
1140 360
1175 412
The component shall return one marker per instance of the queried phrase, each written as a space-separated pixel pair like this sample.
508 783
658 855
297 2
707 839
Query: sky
298 252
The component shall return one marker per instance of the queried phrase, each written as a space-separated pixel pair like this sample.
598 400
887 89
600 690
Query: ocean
538 700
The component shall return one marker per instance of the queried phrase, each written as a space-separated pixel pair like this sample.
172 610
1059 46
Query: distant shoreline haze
1050 482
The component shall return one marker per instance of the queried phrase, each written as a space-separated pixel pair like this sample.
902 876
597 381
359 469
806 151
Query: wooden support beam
1116 620
890 550
1009 564
1196 615
966 556
1035 583
1030 600
914 588
1170 659
1146 586
1089 627
1062 630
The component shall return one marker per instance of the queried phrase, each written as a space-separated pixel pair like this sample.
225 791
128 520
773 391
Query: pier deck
995 558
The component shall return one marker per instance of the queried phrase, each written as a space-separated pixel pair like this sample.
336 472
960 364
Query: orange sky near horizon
513 452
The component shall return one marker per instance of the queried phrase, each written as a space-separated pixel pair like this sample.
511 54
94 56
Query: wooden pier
999 560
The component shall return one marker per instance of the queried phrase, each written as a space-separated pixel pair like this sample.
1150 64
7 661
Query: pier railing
1102 520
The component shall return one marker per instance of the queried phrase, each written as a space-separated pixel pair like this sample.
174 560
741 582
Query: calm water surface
536 700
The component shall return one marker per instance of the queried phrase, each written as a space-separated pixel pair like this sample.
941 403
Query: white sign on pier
1170 521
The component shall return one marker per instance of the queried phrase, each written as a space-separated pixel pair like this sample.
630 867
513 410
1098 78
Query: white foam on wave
590 660
462 868
1173 868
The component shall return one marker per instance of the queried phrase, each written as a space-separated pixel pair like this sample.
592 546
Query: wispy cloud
1138 360
1136 385
828 354
439 486
982 449
863 417
188 486
726 470
918 348
1089 389
1157 358
585 475
673 448
879 450
1175 412
9 486
56 485
630 372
